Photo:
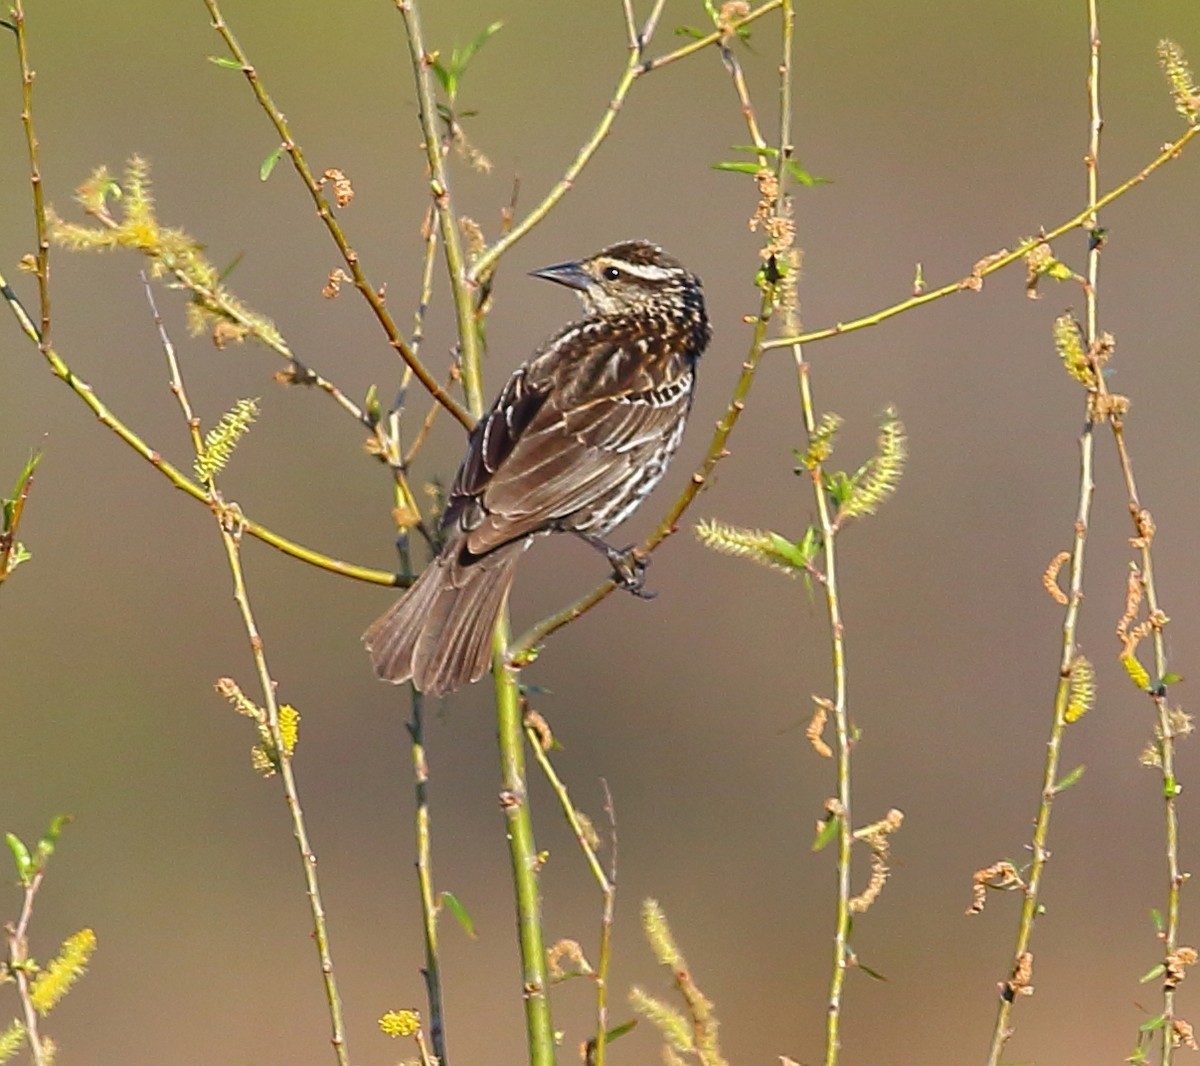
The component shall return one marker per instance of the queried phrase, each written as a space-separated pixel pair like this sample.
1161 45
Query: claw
629 570
629 565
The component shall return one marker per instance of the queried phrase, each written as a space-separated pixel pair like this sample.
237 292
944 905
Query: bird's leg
629 564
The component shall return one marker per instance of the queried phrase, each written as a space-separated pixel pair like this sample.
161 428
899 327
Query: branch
349 255
486 261
172 473
994 262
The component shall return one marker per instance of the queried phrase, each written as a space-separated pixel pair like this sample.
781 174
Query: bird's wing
569 430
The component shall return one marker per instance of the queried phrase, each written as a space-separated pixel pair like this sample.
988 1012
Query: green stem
845 836
514 800
429 909
522 849
42 257
227 522
462 285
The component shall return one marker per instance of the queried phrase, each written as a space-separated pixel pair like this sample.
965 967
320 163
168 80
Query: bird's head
630 277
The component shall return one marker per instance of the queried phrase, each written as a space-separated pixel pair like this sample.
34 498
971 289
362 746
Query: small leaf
827 833
372 405
765 150
1171 679
738 168
20 854
468 53
49 838
620 1030
1070 779
459 912
226 62
1157 918
1151 974
233 265
444 76
871 973
690 31
268 164
1152 1024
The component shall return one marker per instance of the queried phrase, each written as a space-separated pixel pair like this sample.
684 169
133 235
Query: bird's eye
611 273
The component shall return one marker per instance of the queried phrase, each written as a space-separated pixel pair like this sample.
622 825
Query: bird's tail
439 633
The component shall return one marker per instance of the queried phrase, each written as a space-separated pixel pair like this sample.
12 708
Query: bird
578 437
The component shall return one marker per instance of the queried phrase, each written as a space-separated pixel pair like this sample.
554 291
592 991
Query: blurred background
950 129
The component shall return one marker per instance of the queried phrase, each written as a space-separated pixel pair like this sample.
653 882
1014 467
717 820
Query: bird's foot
629 571
629 565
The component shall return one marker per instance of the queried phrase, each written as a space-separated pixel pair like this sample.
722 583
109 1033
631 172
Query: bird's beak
572 275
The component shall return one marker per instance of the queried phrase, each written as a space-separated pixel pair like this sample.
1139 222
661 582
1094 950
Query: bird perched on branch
578 437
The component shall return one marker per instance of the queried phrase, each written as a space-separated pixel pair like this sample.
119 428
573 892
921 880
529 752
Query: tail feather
439 633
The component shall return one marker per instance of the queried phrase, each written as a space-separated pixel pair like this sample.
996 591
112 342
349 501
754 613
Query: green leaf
268 164
809 545
1070 779
468 53
738 168
620 1030
27 473
449 74
372 405
1151 974
50 837
871 973
1157 918
1171 679
444 76
12 508
459 912
21 857
827 832
689 31
226 62
1152 1024
233 265
803 177
839 485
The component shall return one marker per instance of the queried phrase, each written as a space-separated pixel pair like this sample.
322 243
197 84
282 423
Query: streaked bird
578 437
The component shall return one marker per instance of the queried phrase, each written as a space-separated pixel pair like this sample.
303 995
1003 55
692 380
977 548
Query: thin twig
231 539
177 478
429 910
228 519
837 637
214 297
704 42
486 261
994 262
462 286
42 257
18 958
1017 982
349 255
